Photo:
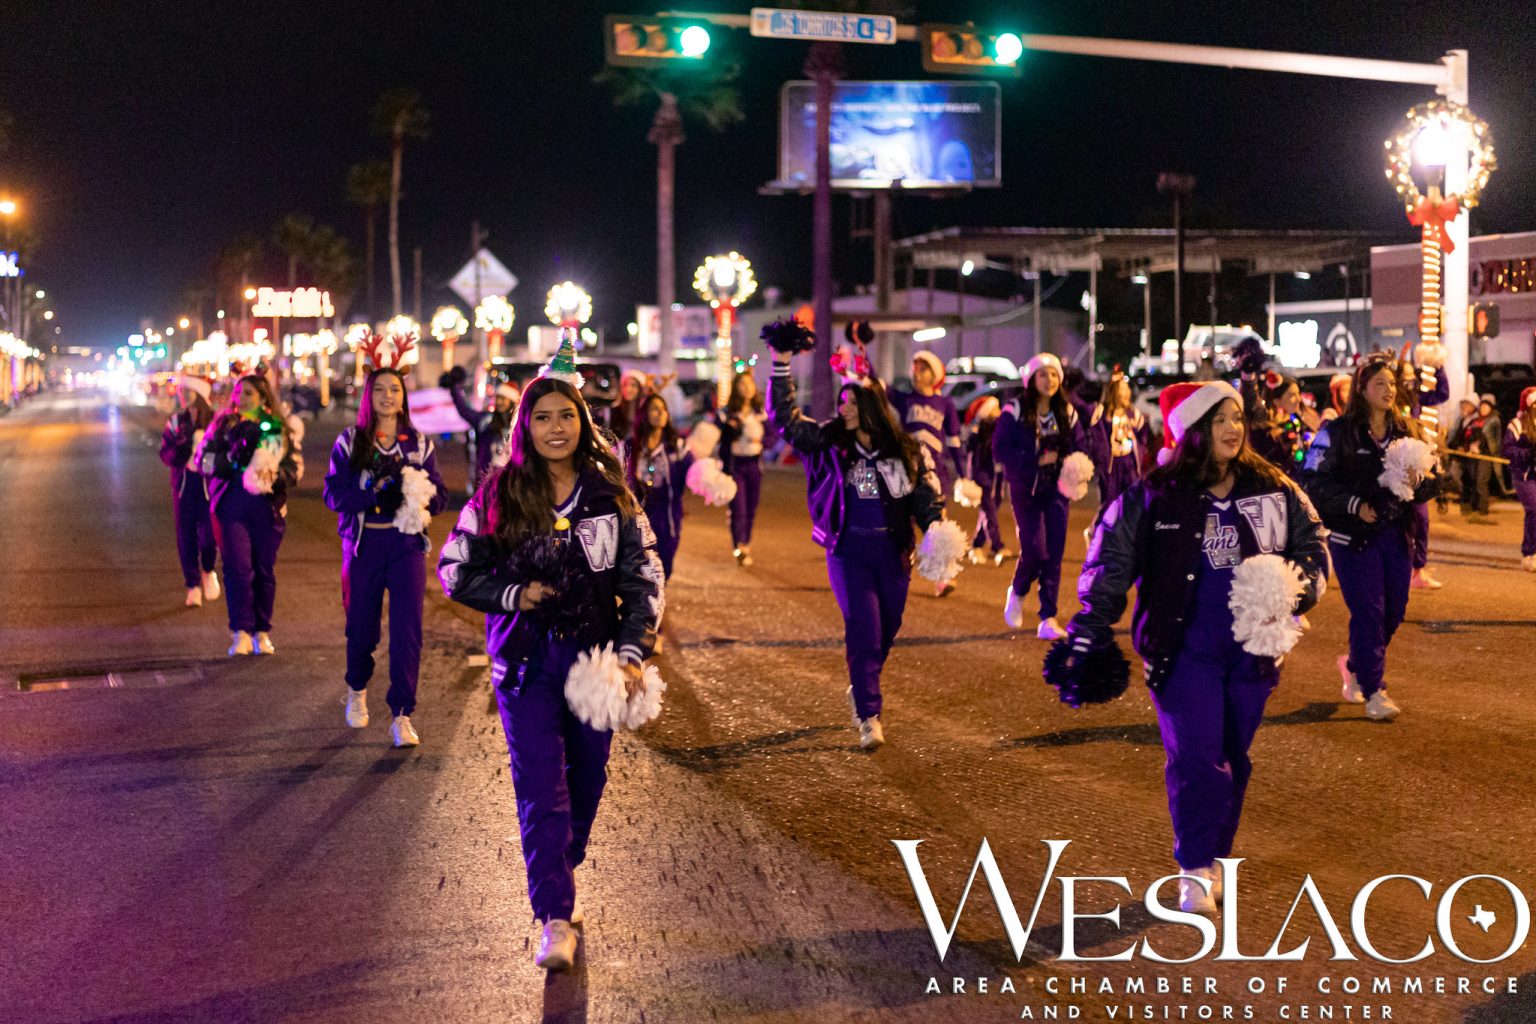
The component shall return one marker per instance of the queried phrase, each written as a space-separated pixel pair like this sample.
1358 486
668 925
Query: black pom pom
1095 676
788 336
1248 354
571 611
858 332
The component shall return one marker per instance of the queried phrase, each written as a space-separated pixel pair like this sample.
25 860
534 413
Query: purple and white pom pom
1263 602
940 555
1076 471
704 439
967 493
262 470
1405 464
707 481
416 491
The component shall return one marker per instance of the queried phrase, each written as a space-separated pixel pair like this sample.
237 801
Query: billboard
917 134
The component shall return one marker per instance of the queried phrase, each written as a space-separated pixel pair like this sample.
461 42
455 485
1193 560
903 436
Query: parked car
600 381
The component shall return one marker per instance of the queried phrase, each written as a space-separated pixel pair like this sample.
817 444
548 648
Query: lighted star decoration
495 313
448 321
725 280
1457 122
568 303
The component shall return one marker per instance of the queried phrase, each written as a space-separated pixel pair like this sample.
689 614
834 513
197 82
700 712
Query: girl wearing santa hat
1338 395
558 554
931 419
743 425
1042 446
867 481
1519 447
982 470
194 523
1212 649
1366 494
251 458
384 487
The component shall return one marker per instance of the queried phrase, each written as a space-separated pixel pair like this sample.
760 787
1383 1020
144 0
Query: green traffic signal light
653 40
968 50
694 41
1007 48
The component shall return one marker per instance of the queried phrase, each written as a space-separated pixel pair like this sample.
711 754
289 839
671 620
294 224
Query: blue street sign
827 26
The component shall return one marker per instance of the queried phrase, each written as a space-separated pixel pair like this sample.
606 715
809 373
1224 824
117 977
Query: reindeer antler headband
388 351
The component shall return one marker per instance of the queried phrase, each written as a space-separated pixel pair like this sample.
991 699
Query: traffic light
968 50
637 40
1484 320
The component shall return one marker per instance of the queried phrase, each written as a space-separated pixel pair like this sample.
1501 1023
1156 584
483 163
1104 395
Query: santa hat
640 379
506 391
988 406
1527 397
197 385
1185 404
933 363
1039 362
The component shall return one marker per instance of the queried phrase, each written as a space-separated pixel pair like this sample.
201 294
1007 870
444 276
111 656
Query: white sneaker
194 597
403 733
746 558
1351 689
1013 609
978 557
1528 563
1381 708
356 705
1088 536
1001 556
1422 580
1194 897
578 914
1050 629
264 644
211 589
557 949
853 708
871 735
241 644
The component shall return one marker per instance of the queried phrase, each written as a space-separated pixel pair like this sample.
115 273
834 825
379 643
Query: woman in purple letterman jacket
1035 433
656 469
251 458
743 425
364 487
1369 526
1421 390
1118 435
1177 536
599 581
1519 447
867 482
189 491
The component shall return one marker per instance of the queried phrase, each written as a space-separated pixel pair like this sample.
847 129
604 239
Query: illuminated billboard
918 134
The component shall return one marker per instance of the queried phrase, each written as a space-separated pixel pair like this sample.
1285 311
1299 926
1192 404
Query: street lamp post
448 325
494 316
568 305
725 282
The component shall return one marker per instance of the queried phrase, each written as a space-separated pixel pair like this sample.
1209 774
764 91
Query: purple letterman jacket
1014 448
350 494
620 552
826 471
1341 472
1520 449
1151 539
176 444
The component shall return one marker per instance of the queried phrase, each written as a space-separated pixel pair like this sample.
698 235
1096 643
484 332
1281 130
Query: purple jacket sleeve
342 491
429 466
952 438
175 442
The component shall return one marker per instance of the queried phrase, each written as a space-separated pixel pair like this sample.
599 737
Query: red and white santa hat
195 384
507 391
1527 398
933 363
1040 362
1185 404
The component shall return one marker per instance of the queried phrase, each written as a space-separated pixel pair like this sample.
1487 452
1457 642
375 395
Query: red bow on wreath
1436 216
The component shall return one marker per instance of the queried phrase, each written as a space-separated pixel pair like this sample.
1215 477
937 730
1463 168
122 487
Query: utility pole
1179 186
477 238
416 304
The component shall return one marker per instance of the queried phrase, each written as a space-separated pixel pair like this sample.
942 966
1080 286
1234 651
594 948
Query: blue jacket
1152 539
1341 474
903 499
351 495
1015 449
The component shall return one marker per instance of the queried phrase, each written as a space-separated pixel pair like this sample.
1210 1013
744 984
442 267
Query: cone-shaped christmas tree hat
563 366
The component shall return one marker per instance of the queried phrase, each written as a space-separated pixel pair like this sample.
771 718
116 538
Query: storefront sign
1503 277
303 302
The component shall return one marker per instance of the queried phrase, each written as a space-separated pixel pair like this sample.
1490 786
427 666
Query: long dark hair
878 421
640 434
363 440
736 404
519 497
1193 465
199 409
1357 414
1029 408
1110 392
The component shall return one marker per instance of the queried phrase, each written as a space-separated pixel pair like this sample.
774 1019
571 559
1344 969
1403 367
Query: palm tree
368 187
235 266
398 116
292 238
330 259
692 93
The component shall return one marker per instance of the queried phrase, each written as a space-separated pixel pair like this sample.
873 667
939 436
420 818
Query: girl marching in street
743 425
1421 389
656 464
1519 447
983 471
195 544
251 458
867 482
557 553
384 486
1118 435
1041 444
1285 425
1202 539
1366 471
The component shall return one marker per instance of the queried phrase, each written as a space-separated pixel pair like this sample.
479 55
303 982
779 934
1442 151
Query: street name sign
823 26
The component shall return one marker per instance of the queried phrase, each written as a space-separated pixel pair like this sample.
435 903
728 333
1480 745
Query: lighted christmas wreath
1453 118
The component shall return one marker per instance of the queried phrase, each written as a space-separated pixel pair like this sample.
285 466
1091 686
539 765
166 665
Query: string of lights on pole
448 326
725 282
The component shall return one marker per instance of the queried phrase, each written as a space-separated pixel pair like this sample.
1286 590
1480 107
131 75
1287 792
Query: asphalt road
191 838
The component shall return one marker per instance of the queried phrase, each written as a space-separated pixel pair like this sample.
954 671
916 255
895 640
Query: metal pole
1455 266
1271 308
1146 315
1178 273
1039 342
960 312
883 277
1093 316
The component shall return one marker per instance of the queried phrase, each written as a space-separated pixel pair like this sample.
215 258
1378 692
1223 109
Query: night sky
148 136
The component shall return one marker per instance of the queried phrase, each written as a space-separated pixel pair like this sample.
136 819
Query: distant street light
495 317
726 282
568 305
7 207
184 323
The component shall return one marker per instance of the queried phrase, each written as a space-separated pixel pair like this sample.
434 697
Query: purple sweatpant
1374 580
1418 537
869 577
1042 522
988 529
1208 712
748 474
1525 490
249 536
385 560
194 532
559 769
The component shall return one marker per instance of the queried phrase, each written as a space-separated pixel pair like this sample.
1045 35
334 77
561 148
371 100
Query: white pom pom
704 439
1076 471
1406 462
752 429
594 688
939 556
707 481
967 493
646 703
1431 355
1263 598
418 491
295 428
261 472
